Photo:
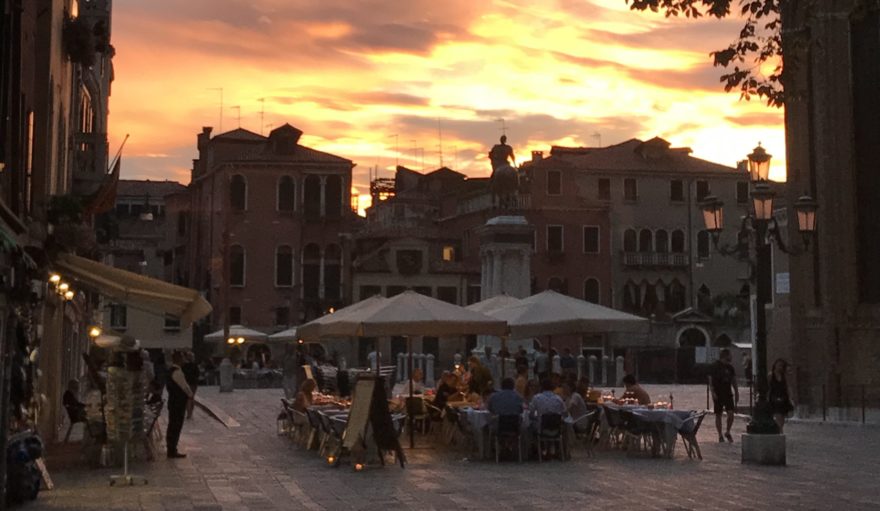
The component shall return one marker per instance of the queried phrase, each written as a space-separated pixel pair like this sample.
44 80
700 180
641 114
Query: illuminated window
449 253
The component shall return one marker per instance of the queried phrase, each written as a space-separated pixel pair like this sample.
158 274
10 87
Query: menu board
359 414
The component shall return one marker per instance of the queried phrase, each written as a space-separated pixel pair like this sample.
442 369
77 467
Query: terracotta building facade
280 214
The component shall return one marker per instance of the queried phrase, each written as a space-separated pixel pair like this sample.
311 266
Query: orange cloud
381 81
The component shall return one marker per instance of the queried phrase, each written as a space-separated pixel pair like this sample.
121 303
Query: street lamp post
759 227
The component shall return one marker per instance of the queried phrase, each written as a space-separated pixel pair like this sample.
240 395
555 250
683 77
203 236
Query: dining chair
688 431
417 409
506 434
585 428
550 433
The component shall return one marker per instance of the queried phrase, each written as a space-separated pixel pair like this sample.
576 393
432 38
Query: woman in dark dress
779 396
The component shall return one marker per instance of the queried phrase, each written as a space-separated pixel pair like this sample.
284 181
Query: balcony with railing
656 260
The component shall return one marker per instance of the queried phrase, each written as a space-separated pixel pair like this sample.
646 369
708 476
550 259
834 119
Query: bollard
823 403
226 375
556 364
618 371
429 369
581 366
401 366
605 361
592 369
863 403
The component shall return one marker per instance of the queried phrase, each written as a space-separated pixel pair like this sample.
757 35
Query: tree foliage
759 43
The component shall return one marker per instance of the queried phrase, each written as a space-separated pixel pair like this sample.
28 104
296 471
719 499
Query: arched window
236 266
312 197
646 240
677 241
286 200
238 193
591 290
629 240
333 197
556 284
661 241
332 272
283 266
311 271
703 244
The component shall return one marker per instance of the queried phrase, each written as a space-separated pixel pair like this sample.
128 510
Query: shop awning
138 291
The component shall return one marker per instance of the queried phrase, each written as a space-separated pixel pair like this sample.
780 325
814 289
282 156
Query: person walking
191 373
179 395
779 394
725 393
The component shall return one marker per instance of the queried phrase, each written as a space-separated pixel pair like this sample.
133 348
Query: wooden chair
585 429
74 416
507 434
417 409
689 435
550 432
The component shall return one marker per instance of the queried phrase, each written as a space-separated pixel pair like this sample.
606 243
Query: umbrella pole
412 432
503 355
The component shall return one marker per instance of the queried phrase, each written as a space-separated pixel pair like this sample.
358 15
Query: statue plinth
505 253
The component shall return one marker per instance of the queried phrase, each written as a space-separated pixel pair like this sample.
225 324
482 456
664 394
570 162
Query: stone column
321 276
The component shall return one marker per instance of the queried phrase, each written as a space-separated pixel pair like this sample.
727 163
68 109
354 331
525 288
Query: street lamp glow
68 295
240 340
762 196
759 164
55 278
231 340
63 287
806 207
95 331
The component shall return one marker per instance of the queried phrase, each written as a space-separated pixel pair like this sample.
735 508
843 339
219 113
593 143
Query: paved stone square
248 467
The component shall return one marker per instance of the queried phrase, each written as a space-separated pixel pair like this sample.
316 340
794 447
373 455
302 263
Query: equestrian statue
505 178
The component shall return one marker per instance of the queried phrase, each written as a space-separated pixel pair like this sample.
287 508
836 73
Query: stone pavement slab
250 468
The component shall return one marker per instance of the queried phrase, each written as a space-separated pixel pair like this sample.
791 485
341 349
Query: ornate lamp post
755 235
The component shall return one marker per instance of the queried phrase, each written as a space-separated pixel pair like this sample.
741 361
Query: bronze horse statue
505 185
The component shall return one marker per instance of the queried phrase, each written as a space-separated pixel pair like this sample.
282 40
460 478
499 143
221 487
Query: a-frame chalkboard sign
370 419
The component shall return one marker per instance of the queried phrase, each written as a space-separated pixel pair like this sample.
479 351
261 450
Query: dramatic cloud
383 82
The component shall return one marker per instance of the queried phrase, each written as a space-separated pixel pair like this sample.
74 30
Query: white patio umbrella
550 313
328 324
412 314
237 331
285 335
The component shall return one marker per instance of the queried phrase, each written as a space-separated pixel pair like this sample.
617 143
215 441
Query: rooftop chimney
537 155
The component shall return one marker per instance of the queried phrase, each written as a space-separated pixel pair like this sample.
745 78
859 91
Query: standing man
542 364
725 393
568 363
191 373
179 395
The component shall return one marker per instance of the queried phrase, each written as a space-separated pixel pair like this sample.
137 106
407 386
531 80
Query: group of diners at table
527 417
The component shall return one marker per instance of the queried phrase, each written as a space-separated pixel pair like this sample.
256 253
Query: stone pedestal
505 256
506 267
226 376
763 449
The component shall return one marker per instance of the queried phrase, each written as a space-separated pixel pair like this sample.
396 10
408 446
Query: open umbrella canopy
328 325
285 335
237 331
413 314
552 313
496 302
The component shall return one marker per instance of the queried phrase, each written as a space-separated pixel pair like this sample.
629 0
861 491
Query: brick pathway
250 468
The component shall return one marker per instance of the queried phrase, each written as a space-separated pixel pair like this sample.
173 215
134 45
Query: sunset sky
370 80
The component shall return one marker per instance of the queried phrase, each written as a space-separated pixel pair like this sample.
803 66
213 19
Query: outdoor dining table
666 424
480 421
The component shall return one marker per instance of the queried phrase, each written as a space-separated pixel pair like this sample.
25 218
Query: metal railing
655 259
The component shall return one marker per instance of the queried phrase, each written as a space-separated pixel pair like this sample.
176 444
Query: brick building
286 209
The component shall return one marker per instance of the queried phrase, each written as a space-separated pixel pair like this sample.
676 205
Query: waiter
179 395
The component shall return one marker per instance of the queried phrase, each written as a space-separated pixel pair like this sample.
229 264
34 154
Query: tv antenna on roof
220 127
262 112
503 126
237 109
598 138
